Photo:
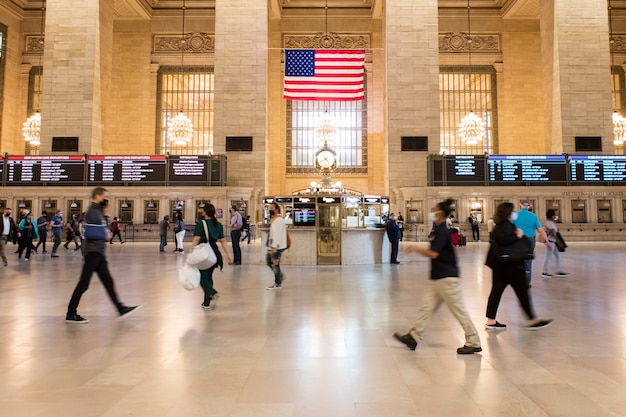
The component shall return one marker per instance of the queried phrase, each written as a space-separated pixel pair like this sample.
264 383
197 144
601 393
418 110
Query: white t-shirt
551 230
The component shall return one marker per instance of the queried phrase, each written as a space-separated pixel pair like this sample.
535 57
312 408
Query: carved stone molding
197 42
34 44
330 40
619 43
457 42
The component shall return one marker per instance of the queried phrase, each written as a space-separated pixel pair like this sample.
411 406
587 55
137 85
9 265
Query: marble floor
322 346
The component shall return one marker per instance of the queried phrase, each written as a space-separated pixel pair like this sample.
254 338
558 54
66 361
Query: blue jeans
56 233
163 243
528 265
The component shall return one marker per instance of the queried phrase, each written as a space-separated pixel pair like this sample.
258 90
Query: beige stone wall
520 95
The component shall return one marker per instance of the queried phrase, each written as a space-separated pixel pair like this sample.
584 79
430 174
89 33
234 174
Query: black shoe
407 339
127 311
75 318
54 255
396 262
468 350
497 325
541 324
214 299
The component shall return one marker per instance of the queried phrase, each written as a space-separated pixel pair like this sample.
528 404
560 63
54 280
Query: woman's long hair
209 210
503 212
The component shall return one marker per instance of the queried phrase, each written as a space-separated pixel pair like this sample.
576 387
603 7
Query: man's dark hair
98 191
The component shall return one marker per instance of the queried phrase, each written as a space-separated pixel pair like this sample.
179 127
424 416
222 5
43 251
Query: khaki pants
447 290
3 243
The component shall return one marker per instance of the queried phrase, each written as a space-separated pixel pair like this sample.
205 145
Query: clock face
325 159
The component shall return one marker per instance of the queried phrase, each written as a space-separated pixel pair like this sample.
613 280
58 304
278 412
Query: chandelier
180 128
619 122
472 128
32 129
32 126
325 130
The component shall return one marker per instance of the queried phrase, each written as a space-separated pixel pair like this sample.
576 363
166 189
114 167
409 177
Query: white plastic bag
189 277
202 256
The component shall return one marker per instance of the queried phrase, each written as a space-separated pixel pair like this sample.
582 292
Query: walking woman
27 230
216 234
551 231
508 273
444 285
179 231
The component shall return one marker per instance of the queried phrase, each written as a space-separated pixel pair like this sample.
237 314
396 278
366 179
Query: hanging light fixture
325 129
32 127
619 122
180 128
472 128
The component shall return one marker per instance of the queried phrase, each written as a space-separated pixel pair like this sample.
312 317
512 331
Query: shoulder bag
202 256
560 242
520 250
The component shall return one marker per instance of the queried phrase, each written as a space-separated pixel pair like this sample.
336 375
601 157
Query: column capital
499 67
154 68
25 69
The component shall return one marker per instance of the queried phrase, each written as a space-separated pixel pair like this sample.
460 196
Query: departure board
45 170
597 168
188 170
126 170
527 169
465 169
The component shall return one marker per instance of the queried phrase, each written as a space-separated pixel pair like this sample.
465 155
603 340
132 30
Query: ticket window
533 207
242 207
476 209
266 210
414 211
384 206
579 211
453 211
74 207
125 211
150 212
624 208
23 205
176 207
200 204
352 212
605 211
496 204
49 206
556 206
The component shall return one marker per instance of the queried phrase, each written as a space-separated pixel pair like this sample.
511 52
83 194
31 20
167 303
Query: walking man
276 244
42 228
8 229
96 235
56 225
236 222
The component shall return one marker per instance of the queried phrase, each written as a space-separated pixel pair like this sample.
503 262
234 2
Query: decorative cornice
618 44
34 44
330 40
454 42
196 42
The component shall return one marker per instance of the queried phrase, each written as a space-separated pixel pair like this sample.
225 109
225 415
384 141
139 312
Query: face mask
432 217
272 213
104 203
7 214
514 216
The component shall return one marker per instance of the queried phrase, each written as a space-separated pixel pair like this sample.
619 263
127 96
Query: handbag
189 277
202 256
520 250
560 242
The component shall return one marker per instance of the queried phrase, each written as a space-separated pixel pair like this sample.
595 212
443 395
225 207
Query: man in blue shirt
57 225
530 225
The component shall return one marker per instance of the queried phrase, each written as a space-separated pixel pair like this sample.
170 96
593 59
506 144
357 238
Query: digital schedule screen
45 170
524 169
597 168
304 215
126 170
190 170
465 169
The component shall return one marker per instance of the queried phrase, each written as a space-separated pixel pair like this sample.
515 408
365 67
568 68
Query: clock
325 159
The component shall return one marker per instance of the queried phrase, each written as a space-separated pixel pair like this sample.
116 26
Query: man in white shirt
276 243
7 229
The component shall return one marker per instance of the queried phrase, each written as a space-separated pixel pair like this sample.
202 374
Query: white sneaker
274 287
546 275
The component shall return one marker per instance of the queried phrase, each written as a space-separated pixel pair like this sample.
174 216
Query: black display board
464 169
45 170
527 169
597 169
126 170
188 170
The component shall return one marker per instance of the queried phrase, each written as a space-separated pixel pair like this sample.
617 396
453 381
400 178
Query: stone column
575 50
77 72
412 57
241 39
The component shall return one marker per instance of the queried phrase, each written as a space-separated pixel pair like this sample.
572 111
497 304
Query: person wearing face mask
393 234
276 243
530 225
8 230
444 285
97 234
508 273
27 230
56 224
42 229
552 231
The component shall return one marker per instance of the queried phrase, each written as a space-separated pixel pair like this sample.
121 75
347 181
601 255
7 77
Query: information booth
329 230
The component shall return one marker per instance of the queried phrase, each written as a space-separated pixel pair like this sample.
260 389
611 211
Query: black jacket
503 234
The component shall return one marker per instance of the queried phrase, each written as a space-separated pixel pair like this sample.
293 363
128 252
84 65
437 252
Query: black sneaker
468 350
407 339
75 318
539 325
206 307
127 311
562 274
497 325
546 275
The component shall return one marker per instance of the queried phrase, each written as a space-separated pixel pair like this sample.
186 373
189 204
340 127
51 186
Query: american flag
324 74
